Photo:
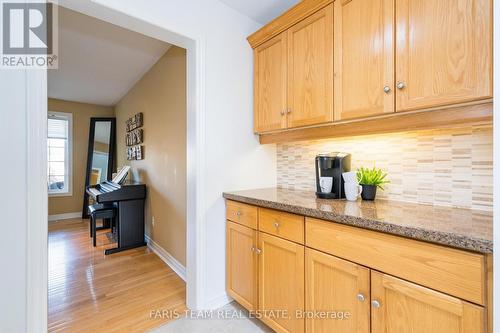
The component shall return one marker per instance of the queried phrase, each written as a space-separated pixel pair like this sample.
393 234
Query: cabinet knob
276 225
361 297
387 89
376 304
289 110
282 112
258 251
401 85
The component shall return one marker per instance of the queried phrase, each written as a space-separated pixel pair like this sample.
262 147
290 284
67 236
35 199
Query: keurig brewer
329 169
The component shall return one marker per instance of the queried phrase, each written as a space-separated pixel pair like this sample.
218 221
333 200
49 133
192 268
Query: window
59 129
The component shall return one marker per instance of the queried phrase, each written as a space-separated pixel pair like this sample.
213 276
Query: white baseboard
66 216
218 302
176 266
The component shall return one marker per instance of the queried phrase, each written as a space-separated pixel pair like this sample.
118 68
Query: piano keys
129 199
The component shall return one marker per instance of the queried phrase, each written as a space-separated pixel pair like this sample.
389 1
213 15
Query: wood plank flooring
91 292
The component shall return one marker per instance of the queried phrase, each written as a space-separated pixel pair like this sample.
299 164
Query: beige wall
81 123
161 96
101 147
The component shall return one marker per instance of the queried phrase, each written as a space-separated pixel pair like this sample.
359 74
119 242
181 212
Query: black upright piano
129 198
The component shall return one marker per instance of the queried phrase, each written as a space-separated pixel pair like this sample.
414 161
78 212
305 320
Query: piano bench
100 211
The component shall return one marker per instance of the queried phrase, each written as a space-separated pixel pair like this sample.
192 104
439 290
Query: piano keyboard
94 191
110 192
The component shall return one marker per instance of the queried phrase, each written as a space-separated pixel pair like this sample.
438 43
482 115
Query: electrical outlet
153 221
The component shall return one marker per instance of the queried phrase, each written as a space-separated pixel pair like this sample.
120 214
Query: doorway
194 148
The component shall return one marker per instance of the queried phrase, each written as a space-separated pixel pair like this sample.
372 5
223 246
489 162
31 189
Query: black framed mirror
100 156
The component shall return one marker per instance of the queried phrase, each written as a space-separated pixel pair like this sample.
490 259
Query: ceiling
102 132
99 62
262 11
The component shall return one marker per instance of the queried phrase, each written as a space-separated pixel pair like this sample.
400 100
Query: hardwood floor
91 292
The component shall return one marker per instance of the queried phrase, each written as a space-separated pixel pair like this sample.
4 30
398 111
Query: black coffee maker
329 169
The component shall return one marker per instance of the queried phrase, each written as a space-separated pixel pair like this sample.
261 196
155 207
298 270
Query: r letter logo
28 35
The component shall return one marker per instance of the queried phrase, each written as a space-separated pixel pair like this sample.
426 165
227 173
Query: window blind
58 152
57 128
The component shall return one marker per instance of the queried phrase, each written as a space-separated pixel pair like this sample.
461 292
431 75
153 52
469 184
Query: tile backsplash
449 167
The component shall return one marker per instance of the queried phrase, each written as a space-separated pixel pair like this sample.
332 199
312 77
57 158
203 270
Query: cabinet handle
276 225
401 85
282 112
258 251
238 213
376 304
361 297
387 89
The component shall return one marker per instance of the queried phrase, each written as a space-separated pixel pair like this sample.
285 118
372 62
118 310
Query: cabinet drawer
241 213
455 272
284 225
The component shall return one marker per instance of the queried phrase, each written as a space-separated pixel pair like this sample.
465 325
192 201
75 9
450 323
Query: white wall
13 201
23 280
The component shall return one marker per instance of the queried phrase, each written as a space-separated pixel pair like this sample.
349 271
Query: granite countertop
460 228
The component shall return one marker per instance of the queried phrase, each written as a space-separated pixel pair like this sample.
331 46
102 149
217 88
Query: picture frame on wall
134 137
138 152
135 153
134 122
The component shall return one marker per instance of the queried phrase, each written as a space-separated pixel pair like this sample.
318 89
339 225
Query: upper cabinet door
364 58
401 306
310 70
443 52
333 284
270 82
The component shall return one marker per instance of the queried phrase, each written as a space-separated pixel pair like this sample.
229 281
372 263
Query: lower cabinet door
400 306
241 270
281 283
337 295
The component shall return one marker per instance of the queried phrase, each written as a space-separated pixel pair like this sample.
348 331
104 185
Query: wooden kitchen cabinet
386 283
281 224
293 75
351 67
242 213
443 52
400 306
334 285
364 58
270 84
310 70
281 283
452 271
241 262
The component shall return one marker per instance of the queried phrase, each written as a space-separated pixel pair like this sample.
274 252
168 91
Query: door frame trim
37 224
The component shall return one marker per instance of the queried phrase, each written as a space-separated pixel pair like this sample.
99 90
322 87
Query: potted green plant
370 180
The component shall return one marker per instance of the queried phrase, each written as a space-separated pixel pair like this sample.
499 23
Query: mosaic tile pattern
448 167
